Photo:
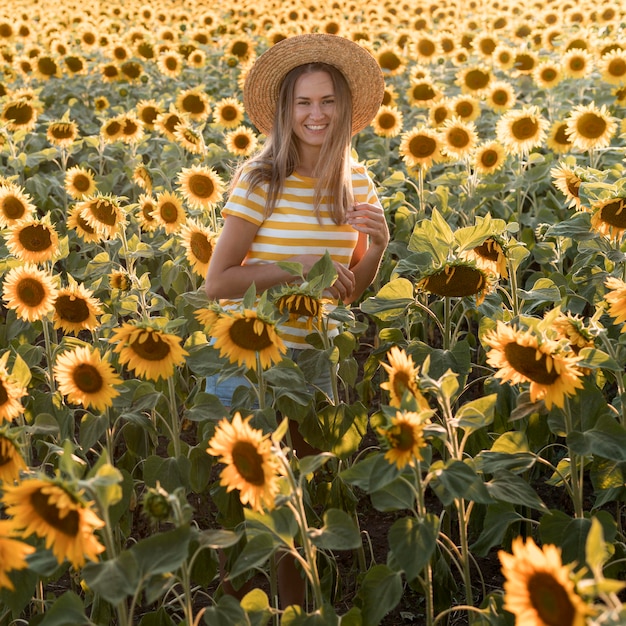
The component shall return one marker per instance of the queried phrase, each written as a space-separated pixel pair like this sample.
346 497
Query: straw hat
360 68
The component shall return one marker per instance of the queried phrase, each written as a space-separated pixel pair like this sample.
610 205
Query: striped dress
294 229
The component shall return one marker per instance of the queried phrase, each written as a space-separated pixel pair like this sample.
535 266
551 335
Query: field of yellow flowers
478 388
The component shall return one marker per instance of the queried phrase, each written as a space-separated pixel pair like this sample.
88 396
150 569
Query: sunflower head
404 438
458 279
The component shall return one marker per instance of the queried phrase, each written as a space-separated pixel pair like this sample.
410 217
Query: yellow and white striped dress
294 229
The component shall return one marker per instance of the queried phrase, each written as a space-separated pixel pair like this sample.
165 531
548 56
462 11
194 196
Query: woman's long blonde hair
279 156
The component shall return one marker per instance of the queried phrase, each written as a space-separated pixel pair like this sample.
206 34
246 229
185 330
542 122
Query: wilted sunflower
300 305
458 279
489 157
387 122
500 96
201 186
150 352
13 553
612 66
86 378
33 241
405 438
195 103
240 336
557 139
76 309
538 588
241 141
141 177
459 138
148 111
420 147
521 357
29 291
51 511
251 467
548 74
489 256
567 181
228 113
79 182
19 114
609 217
15 205
62 133
590 127
616 297
199 243
402 378
170 212
521 130
103 213
577 63
11 393
82 228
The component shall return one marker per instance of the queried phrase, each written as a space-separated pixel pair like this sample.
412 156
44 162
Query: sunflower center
524 360
201 186
477 79
401 437
131 69
551 600
489 157
500 96
243 333
201 247
561 137
389 61
81 183
169 212
489 250
31 292
149 115
249 463
613 212
464 109
4 396
71 308
458 138
240 49
591 126
62 130
228 113
87 378
401 384
548 74
20 113
68 523
193 103
456 282
426 48
422 146
423 91
242 141
172 122
151 347
103 211
617 67
13 208
35 237
524 128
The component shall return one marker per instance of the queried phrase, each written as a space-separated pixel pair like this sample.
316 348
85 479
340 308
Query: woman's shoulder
359 171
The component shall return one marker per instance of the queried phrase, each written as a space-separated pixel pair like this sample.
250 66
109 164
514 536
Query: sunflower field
469 465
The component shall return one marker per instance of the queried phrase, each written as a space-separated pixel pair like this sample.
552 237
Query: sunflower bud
156 504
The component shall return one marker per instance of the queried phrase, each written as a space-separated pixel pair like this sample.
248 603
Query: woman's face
313 109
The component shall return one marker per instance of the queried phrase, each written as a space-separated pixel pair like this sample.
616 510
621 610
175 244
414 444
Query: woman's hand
342 288
370 220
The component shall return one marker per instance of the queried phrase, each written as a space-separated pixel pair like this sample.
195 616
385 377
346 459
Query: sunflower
131 70
524 357
141 177
458 279
504 57
111 129
421 147
195 103
538 588
405 438
51 511
439 112
15 205
489 256
170 64
228 113
474 80
62 133
548 74
103 213
459 138
241 141
612 67
150 352
241 47
110 72
29 291
590 127
120 280
577 63
76 309
609 217
521 130
390 59
85 378
402 378
525 61
242 336
201 186
170 212
11 392
11 460
198 242
423 93
557 139
568 182
572 328
485 44
79 182
251 467
166 123
148 111
101 103
387 122
616 297
488 157
500 96
33 241
147 206
197 59
82 228
190 139
19 114
131 129
300 304
13 553
465 107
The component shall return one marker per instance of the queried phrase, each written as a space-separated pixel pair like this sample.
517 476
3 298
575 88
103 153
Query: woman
302 195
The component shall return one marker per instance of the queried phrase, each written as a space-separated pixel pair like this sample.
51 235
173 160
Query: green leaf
458 480
68 608
169 472
606 439
200 468
257 607
476 414
391 300
396 495
338 532
114 580
597 359
495 526
162 553
156 618
597 552
280 522
413 542
227 612
379 593
254 554
508 487
219 539
310 464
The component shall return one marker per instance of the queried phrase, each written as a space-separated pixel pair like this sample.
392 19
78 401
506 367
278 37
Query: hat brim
360 68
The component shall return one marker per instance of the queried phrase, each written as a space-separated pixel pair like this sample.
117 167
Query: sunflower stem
428 570
463 514
45 324
576 480
447 323
175 427
261 380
